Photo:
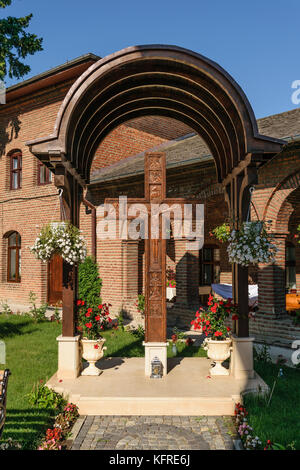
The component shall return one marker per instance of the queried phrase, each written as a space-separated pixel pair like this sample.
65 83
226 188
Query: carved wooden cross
155 249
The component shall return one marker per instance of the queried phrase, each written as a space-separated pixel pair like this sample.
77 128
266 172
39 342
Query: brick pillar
271 281
187 274
130 274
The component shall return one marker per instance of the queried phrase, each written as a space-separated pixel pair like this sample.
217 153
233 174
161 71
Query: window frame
47 173
18 170
18 248
212 263
289 264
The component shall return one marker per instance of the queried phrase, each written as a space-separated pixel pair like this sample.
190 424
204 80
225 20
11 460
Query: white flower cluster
251 245
63 239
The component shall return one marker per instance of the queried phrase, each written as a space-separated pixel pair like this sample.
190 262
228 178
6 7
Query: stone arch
279 207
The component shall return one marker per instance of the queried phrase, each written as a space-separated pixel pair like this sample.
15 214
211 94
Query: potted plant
91 322
212 322
60 238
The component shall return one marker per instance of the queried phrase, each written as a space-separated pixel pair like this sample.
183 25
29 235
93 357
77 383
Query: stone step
187 389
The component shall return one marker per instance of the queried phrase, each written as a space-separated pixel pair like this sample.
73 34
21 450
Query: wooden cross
155 248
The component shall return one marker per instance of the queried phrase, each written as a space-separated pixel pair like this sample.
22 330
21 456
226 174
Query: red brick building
28 199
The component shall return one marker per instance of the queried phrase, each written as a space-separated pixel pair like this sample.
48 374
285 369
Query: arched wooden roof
154 80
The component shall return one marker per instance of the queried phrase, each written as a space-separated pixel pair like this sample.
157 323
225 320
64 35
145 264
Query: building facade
29 199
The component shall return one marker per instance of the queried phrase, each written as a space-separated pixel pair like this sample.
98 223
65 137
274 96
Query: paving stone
154 432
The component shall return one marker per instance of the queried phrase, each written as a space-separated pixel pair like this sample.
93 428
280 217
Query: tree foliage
16 44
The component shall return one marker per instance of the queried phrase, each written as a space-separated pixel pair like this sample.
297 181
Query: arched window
209 265
16 170
290 266
14 257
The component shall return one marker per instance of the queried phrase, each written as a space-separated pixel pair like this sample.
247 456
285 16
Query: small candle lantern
156 368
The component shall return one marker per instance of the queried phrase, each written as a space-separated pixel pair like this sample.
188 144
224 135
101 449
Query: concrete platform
187 390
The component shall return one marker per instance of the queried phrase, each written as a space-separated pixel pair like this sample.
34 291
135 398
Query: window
14 258
209 265
290 266
16 170
44 174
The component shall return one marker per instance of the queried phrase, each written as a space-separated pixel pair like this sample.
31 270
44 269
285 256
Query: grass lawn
31 355
280 422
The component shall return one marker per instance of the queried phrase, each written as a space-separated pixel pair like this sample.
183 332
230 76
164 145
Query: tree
16 44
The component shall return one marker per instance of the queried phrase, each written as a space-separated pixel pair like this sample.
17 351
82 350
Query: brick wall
25 210
121 264
121 143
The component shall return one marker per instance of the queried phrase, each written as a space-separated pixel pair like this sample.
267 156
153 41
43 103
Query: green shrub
138 332
141 303
121 320
37 313
43 397
89 283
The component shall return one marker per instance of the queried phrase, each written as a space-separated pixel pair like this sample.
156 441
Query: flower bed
248 438
250 442
56 437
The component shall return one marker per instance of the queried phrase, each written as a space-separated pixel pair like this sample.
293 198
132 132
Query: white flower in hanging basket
60 238
251 245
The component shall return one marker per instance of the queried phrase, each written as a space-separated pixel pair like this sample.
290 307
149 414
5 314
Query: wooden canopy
157 80
166 81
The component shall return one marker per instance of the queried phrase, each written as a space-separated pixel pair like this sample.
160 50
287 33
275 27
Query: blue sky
257 42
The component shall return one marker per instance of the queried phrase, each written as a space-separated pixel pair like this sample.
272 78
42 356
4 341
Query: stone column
241 363
69 357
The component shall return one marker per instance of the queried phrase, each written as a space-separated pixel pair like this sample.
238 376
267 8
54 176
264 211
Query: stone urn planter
92 351
171 293
218 351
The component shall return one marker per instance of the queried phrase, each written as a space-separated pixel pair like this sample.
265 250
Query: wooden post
71 197
237 195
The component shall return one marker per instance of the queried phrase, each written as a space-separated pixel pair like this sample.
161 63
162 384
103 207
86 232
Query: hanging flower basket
60 238
251 244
